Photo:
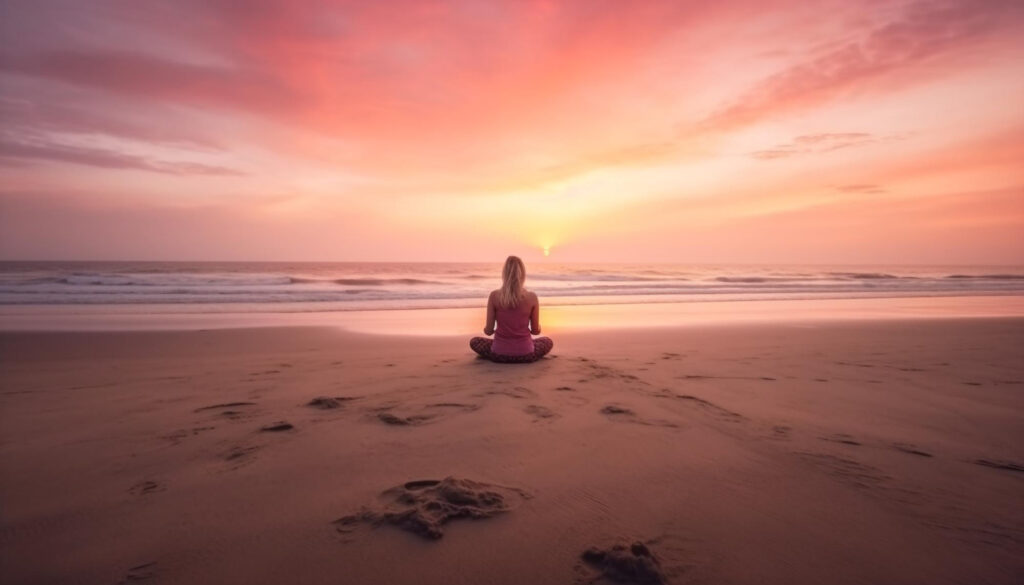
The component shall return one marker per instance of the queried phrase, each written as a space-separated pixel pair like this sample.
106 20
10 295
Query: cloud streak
865 188
155 78
106 159
819 143
71 114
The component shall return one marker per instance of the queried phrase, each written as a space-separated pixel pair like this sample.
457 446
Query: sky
781 132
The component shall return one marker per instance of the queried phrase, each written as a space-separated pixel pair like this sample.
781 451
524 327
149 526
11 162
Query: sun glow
547 250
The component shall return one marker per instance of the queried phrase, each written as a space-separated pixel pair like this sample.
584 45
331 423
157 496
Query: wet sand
887 451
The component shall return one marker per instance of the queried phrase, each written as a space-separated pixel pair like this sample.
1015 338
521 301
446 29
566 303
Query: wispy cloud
818 143
73 114
866 188
18 152
155 78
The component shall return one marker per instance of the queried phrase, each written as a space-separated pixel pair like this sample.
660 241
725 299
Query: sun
547 250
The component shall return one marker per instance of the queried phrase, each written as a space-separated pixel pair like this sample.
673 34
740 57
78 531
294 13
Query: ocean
354 286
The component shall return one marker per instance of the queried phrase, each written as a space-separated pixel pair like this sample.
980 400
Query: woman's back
512 335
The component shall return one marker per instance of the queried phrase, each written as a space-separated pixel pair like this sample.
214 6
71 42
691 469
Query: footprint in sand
600 372
277 427
440 410
1000 464
911 449
177 436
857 365
401 421
146 487
423 507
517 392
329 402
239 456
225 405
705 377
714 409
430 413
849 470
841 438
454 406
139 573
623 563
623 414
539 412
572 399
324 403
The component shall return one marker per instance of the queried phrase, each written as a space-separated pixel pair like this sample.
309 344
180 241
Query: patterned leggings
541 346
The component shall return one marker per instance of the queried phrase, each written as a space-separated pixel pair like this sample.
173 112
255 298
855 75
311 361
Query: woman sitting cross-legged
517 314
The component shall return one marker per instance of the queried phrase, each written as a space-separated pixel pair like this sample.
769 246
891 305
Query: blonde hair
513 275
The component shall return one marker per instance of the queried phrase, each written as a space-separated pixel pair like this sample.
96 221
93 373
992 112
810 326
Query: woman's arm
535 316
489 324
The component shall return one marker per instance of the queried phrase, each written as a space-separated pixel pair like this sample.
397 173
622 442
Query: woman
517 313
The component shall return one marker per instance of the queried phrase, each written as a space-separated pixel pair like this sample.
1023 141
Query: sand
884 451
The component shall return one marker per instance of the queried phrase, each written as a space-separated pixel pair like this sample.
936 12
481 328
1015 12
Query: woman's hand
488 331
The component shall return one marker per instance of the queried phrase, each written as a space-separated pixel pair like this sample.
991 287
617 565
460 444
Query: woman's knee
480 345
542 345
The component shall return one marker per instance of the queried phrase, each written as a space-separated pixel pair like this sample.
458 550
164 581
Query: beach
248 252
860 450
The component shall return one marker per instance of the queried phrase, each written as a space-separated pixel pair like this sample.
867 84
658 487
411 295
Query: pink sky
730 131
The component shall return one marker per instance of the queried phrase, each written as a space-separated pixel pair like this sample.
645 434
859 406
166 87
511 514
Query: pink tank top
512 336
